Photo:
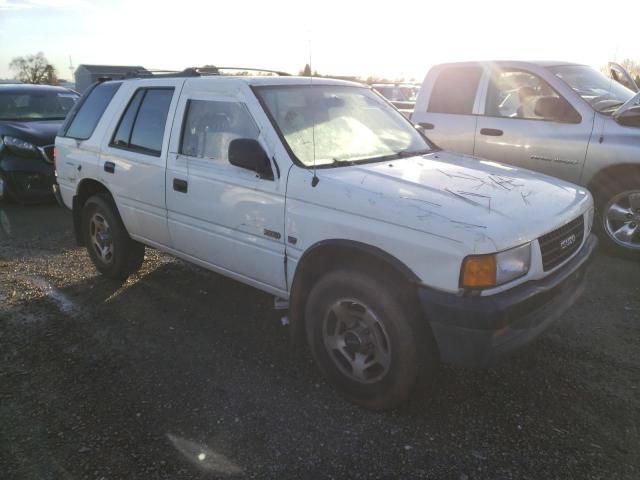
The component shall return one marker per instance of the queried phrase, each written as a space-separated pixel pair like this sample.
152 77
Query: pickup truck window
521 94
90 111
339 125
141 127
454 91
603 94
209 127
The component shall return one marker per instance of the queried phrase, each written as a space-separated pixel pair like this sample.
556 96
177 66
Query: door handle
109 167
492 132
427 125
180 185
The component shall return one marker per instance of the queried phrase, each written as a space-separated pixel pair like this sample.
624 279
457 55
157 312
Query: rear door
224 216
528 122
134 155
447 112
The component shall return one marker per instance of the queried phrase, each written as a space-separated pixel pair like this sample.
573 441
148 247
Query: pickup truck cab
562 119
392 254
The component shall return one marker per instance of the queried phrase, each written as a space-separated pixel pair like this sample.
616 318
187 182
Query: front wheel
367 340
619 217
112 251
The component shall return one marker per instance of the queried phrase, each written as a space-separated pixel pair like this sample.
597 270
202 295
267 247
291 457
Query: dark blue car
30 116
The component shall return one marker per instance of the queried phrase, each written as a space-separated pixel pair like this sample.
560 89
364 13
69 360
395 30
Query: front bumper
476 330
27 179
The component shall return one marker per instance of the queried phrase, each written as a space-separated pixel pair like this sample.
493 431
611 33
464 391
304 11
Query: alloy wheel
357 341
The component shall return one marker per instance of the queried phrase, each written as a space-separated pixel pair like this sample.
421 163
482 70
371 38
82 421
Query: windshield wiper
336 162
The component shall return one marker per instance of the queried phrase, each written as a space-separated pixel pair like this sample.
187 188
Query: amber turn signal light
479 271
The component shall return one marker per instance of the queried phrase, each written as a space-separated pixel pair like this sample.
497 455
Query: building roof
111 69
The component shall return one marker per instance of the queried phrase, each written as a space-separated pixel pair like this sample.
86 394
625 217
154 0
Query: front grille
559 245
47 153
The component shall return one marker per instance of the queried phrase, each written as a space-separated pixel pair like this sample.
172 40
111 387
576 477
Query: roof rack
197 72
248 69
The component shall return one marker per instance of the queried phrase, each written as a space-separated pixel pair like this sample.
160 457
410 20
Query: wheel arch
325 256
608 177
86 189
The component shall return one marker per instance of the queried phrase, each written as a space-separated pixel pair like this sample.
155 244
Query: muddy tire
367 339
112 251
618 216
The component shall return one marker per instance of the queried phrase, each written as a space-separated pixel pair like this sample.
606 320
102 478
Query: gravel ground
183 374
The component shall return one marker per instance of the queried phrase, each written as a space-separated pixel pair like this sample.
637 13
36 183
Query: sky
384 38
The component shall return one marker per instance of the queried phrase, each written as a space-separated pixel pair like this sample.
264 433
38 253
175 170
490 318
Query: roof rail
187 72
196 72
248 69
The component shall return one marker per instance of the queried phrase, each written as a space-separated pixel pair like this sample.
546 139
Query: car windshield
337 125
604 94
36 105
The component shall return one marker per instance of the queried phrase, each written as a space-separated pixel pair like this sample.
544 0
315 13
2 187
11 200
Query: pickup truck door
134 155
220 215
526 121
445 107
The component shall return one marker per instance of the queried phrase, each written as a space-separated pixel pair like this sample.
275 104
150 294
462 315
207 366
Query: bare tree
34 69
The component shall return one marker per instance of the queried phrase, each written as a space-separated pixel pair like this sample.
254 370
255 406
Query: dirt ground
183 374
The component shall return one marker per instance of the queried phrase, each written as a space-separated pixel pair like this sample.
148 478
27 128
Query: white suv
392 254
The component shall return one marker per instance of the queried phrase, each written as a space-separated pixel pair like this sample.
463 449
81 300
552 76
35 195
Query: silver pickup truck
566 120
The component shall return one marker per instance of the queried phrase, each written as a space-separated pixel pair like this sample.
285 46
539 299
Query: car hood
39 133
486 205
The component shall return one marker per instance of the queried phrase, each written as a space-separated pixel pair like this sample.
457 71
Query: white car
393 255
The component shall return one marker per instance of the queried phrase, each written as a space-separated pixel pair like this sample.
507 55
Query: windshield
340 124
36 105
604 94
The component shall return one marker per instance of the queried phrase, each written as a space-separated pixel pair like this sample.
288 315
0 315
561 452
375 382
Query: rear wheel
367 340
619 217
113 252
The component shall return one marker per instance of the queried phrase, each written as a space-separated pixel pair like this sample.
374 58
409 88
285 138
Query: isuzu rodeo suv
392 254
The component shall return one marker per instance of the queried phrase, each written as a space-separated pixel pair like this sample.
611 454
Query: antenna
315 179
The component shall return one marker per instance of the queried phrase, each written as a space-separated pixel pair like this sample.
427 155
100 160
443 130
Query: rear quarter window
90 110
455 90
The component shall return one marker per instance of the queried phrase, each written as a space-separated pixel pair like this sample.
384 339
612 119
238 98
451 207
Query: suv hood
486 205
40 133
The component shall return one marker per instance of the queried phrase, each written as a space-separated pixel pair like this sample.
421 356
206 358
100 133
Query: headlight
486 271
19 146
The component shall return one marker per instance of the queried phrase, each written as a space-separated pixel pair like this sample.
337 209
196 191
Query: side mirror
629 118
248 153
556 109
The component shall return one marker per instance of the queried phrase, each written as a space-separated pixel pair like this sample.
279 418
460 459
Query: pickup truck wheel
619 217
367 340
112 251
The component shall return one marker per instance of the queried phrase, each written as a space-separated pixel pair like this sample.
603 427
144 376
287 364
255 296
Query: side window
90 110
141 127
455 90
521 94
209 126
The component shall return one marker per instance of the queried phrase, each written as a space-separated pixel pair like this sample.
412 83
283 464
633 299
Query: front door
527 123
219 214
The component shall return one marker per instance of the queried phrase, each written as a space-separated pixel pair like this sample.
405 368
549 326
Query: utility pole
71 70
